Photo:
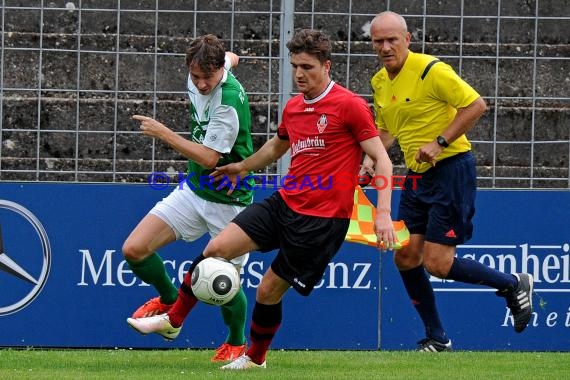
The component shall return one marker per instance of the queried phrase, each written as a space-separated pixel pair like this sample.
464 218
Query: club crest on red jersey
322 123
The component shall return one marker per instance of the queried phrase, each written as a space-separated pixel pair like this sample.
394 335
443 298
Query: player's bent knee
406 261
215 249
132 252
266 295
436 269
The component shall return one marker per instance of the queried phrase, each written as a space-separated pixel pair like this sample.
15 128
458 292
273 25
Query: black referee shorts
306 244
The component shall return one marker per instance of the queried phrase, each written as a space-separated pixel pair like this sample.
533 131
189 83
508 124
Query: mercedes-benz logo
12 266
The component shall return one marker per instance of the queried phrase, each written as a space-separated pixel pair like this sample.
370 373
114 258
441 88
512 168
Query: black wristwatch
441 141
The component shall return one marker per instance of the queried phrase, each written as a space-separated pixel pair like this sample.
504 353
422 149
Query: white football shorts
190 216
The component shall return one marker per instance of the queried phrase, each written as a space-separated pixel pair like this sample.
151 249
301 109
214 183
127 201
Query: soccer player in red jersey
327 128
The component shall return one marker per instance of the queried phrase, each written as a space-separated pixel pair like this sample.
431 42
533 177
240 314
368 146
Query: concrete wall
70 83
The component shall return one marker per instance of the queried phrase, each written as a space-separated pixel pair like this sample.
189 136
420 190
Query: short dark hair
311 41
207 52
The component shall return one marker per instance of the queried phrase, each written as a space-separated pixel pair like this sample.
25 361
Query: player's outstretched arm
268 153
367 166
383 175
199 153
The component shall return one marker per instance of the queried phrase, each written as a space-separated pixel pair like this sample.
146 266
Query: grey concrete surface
86 99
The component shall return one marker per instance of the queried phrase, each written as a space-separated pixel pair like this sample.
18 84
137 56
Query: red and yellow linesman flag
361 228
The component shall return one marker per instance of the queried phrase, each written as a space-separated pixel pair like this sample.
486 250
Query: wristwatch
441 141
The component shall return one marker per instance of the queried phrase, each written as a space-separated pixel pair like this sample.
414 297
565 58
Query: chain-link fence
73 73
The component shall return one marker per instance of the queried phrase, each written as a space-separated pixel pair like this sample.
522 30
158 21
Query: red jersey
324 135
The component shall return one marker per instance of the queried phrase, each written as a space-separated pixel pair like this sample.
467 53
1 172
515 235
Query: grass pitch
195 364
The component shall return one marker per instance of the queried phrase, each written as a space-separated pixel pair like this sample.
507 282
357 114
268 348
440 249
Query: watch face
441 141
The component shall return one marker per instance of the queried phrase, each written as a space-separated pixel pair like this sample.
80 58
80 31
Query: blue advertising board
90 291
74 289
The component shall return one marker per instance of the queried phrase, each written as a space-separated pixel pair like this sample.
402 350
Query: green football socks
152 271
235 314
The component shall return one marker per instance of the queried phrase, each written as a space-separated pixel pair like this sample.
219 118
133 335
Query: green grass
287 365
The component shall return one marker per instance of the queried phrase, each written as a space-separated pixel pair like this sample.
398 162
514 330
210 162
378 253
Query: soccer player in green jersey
421 102
220 133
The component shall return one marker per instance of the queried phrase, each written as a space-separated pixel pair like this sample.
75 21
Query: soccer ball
215 281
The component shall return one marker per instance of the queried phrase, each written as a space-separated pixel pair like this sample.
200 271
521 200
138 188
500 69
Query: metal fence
72 73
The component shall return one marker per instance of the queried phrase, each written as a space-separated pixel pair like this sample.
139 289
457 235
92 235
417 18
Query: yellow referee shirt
419 104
